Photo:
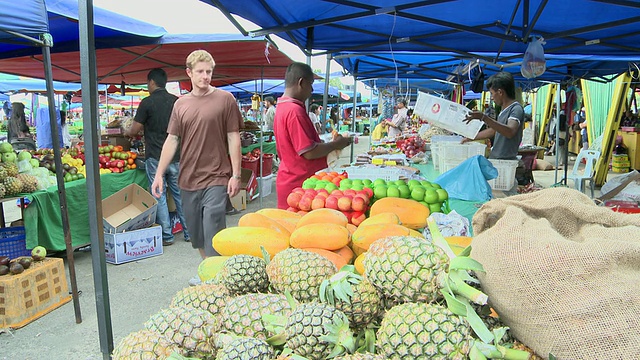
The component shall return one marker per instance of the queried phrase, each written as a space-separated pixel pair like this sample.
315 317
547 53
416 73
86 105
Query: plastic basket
373 172
13 242
460 152
506 174
436 140
266 184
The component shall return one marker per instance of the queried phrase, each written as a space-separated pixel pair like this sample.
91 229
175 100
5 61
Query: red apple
349 192
317 202
357 217
358 204
322 191
337 193
311 192
305 202
292 209
302 212
348 214
331 202
369 192
364 197
323 194
298 190
344 203
294 199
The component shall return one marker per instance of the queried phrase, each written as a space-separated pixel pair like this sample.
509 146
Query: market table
267 147
42 219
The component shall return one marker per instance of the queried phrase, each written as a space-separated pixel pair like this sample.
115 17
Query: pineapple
299 272
354 296
10 168
318 331
144 345
29 183
12 186
2 190
243 314
189 328
211 298
246 348
243 274
423 331
3 174
360 356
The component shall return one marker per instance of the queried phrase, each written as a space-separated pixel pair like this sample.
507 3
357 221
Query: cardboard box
249 190
239 201
133 245
38 290
129 209
116 140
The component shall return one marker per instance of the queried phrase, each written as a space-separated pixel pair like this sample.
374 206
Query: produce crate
266 185
450 151
506 174
36 292
435 147
373 172
13 242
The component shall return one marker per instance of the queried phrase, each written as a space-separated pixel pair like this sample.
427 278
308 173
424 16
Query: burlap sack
563 273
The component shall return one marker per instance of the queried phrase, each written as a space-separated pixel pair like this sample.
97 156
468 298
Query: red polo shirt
295 135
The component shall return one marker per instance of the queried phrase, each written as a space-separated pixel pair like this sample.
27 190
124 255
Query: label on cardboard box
129 209
133 245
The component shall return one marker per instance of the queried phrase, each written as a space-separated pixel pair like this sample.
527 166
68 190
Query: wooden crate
32 294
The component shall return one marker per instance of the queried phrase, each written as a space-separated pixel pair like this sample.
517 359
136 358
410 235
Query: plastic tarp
36 85
237 58
30 19
584 27
271 86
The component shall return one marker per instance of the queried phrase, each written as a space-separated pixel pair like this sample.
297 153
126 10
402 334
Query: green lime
312 180
442 195
436 207
319 186
405 191
417 194
413 182
400 182
424 203
308 185
357 187
436 186
367 182
392 191
346 182
430 196
377 182
380 192
425 182
428 186
356 182
330 187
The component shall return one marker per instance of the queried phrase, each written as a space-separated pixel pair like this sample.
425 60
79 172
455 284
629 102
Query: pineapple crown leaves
339 334
276 323
290 355
368 344
265 255
175 356
481 351
339 286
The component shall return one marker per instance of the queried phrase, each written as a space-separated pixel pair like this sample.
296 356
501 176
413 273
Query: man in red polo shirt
299 147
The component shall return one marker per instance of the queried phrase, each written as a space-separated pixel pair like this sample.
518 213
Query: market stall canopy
587 27
111 29
238 58
28 19
271 86
39 86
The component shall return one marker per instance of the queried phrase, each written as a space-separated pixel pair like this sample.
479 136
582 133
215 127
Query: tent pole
557 147
325 96
353 114
62 193
94 193
260 109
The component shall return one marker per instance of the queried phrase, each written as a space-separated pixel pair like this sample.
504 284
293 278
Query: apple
302 212
322 191
298 190
344 203
311 192
323 194
294 199
358 204
331 202
348 214
337 193
292 209
317 202
305 202
357 217
349 192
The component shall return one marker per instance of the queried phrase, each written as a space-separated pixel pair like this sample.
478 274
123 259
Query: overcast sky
194 16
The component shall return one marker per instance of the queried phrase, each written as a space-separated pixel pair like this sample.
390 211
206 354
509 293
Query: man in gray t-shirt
507 128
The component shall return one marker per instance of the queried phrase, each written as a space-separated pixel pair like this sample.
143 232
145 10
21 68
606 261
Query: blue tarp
29 18
35 85
270 86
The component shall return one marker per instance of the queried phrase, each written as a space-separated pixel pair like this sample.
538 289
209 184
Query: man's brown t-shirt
202 124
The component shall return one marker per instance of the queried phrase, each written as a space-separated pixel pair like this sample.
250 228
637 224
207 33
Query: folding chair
579 179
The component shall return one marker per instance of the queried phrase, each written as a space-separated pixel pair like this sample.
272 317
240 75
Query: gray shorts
204 212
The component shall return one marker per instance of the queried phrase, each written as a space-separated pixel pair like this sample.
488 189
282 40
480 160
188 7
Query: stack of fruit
427 193
115 159
411 146
281 288
20 264
353 204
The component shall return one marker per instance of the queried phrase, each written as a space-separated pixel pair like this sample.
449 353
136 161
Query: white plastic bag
534 63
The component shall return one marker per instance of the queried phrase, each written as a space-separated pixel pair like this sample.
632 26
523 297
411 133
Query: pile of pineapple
12 183
414 301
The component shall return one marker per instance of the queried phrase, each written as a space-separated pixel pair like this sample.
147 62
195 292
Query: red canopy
237 58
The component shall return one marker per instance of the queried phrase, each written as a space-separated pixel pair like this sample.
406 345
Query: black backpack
477 79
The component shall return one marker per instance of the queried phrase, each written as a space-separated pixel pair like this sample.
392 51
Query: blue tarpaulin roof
271 86
29 19
584 27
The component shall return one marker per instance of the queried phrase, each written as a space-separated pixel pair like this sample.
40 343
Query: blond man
206 125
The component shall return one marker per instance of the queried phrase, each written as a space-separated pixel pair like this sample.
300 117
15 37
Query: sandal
234 211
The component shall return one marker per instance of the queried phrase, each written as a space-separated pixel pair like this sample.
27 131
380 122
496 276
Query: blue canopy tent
270 86
36 85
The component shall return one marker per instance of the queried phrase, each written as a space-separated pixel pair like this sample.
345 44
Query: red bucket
267 164
252 165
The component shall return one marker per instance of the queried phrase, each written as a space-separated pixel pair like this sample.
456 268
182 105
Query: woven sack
563 273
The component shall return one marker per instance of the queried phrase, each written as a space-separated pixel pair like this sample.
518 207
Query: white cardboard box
133 245
129 209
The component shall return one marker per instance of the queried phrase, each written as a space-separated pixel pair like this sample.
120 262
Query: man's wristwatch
237 177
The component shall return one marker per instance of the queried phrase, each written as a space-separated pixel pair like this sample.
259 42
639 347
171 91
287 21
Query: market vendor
301 151
507 128
399 121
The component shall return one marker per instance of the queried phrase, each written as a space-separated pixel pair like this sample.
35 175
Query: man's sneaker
195 281
167 242
187 239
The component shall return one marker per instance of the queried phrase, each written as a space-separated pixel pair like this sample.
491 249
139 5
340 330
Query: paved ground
137 290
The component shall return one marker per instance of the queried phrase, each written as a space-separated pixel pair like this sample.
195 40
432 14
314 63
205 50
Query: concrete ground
137 290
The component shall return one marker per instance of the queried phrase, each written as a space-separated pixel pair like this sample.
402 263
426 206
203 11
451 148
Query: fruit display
21 264
290 286
411 146
427 193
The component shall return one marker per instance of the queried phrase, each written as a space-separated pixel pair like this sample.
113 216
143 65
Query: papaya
275 214
326 236
366 235
290 225
359 263
323 216
411 213
458 243
210 267
248 240
336 259
352 228
346 253
382 218
416 233
259 220
357 250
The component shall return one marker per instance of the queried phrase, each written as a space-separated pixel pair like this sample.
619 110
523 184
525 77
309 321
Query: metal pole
62 193
260 109
325 96
90 121
353 114
557 131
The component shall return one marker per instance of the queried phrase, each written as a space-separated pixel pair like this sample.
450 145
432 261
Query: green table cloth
267 148
462 207
42 219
